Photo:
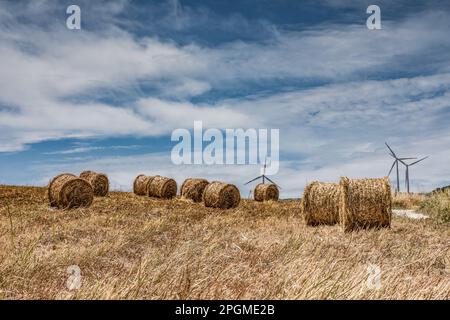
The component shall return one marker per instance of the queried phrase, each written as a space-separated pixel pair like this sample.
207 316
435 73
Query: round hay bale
321 203
99 182
366 203
266 192
67 191
221 195
193 189
162 187
141 184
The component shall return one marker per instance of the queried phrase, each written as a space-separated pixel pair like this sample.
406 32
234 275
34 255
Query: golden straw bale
99 182
265 192
221 195
162 187
366 203
67 191
141 184
193 188
321 203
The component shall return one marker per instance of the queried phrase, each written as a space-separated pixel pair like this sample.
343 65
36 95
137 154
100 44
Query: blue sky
107 97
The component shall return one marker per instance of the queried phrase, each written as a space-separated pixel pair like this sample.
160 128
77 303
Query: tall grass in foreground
438 207
403 200
132 247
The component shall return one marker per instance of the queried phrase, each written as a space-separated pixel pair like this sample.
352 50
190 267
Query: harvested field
405 200
130 247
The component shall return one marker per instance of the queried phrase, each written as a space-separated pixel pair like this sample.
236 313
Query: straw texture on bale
221 195
99 182
162 187
193 189
366 203
266 192
141 184
321 203
67 191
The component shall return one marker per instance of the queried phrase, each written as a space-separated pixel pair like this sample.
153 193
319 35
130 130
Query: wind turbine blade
418 161
402 162
406 158
393 153
252 180
273 182
393 164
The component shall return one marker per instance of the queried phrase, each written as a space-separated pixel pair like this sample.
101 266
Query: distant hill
442 189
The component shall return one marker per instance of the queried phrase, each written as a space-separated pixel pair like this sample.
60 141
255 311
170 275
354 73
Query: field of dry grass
131 247
408 201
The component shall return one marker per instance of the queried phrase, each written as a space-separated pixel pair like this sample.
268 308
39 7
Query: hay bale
266 192
221 195
193 189
141 184
162 187
67 191
321 203
99 182
366 203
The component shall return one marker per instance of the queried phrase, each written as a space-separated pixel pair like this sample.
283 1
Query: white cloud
92 148
43 67
170 115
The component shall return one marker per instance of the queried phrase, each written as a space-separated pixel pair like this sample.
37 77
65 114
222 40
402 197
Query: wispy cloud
92 148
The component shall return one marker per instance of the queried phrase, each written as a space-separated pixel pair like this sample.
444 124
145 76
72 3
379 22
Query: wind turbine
263 176
407 165
395 163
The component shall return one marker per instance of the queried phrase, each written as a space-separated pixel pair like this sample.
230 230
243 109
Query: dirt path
412 214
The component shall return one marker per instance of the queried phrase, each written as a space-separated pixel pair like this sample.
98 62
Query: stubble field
131 247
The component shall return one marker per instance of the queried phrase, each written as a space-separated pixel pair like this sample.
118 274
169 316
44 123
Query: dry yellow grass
405 200
131 247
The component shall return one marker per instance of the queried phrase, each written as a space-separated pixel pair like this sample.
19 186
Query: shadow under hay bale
193 189
221 195
321 203
141 184
162 187
366 203
266 192
67 191
99 182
